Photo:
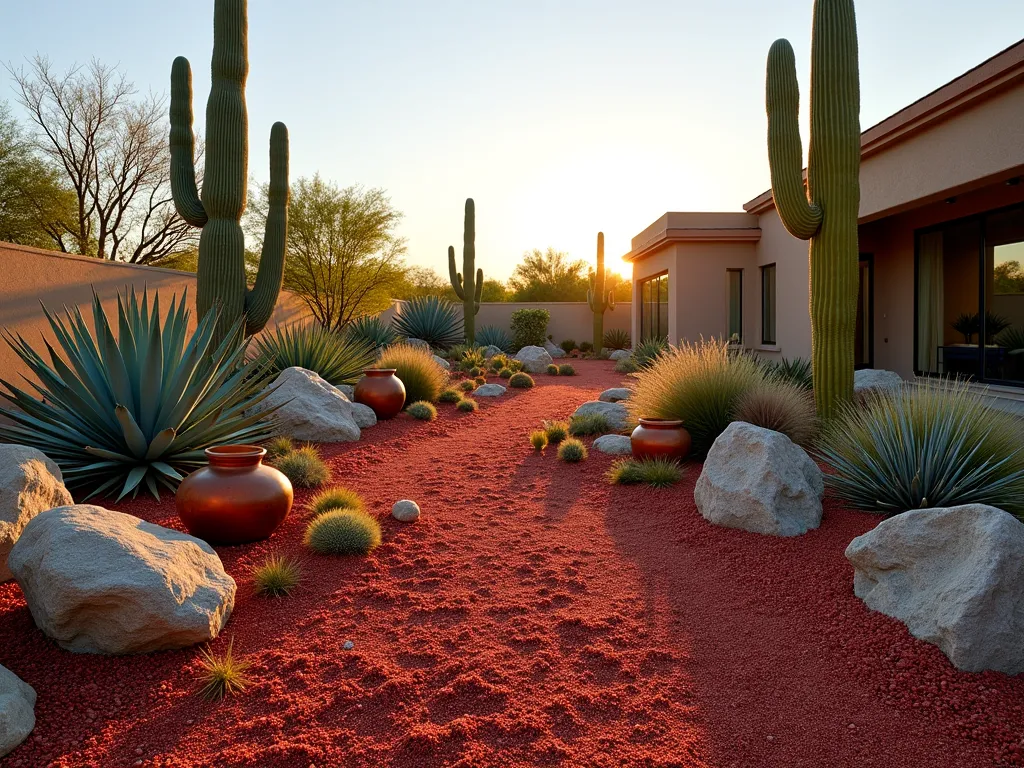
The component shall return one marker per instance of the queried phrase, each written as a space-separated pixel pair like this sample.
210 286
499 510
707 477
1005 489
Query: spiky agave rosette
137 410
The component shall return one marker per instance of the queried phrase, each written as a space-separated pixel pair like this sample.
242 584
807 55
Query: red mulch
535 616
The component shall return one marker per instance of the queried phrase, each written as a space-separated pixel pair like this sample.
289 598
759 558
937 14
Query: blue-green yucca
137 410
372 330
337 358
430 319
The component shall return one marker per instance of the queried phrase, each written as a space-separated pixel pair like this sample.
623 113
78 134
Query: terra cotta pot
660 437
382 391
236 498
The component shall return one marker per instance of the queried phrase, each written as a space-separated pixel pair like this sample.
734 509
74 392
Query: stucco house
941 241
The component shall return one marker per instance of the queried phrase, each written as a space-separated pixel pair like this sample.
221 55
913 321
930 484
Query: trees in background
549 276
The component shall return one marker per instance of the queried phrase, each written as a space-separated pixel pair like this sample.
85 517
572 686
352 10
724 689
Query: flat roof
688 226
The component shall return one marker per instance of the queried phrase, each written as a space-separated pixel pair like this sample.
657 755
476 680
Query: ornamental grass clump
931 445
416 368
780 405
343 532
422 411
556 431
589 424
552 370
572 451
304 467
566 370
539 439
338 358
449 395
699 384
521 381
467 405
335 498
658 472
221 676
277 576
278 447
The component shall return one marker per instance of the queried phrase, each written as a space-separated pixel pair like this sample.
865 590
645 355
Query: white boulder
615 394
616 413
954 576
620 354
406 511
617 445
489 390
99 581
442 362
760 481
30 483
17 710
534 359
311 408
552 350
875 379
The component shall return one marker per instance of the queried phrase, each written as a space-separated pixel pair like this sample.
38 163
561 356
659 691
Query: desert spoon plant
597 298
221 274
463 282
826 214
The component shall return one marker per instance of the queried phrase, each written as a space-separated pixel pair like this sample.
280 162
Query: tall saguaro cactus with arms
463 282
598 300
826 214
221 274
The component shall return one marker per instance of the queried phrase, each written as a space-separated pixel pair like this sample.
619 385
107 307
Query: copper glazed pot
381 390
660 437
235 499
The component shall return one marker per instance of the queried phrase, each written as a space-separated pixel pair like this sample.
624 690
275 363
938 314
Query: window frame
773 340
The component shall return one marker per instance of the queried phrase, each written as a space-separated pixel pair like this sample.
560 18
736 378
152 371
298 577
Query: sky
560 118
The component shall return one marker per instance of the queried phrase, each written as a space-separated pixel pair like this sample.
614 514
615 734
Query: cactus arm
479 290
260 301
454 275
183 146
611 300
785 152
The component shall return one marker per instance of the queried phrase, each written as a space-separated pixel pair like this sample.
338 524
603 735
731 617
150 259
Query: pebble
406 511
349 645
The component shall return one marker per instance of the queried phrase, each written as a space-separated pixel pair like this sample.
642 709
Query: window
768 304
654 308
735 327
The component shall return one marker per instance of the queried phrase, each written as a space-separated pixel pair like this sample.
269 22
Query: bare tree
112 147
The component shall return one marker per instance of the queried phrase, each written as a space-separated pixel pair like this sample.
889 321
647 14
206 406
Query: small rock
489 390
552 350
348 645
616 413
492 351
348 390
442 362
875 379
417 343
17 710
620 354
406 511
617 445
363 415
614 395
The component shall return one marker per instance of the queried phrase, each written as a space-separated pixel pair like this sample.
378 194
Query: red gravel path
535 616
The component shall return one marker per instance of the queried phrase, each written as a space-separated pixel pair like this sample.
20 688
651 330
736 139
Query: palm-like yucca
932 445
135 410
338 358
372 330
430 319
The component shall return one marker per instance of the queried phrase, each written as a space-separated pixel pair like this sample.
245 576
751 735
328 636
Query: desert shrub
221 676
780 405
480 381
699 384
556 431
539 439
572 450
648 350
432 319
616 338
497 363
515 365
521 380
418 371
797 370
586 347
658 472
449 396
566 370
493 336
505 373
568 345
529 327
475 372
278 447
335 498
422 411
467 405
589 424
472 360
277 576
336 357
467 385
934 445
372 331
552 370
304 467
343 532
626 365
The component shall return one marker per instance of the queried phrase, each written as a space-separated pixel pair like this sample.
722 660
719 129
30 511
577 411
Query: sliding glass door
654 308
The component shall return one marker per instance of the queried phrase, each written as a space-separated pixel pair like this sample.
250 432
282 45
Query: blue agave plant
338 358
136 410
372 330
431 319
493 336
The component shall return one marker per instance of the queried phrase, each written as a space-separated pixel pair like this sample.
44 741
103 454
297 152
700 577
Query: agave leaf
151 380
133 436
105 454
113 363
131 483
160 445
166 469
126 344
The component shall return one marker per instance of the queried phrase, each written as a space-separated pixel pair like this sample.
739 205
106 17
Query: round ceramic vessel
382 391
236 498
660 437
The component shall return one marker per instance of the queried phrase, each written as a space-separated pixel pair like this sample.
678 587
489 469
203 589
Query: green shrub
505 373
616 338
304 467
498 362
422 411
515 365
431 319
521 380
552 370
626 365
658 472
933 445
797 371
568 345
699 384
472 360
372 331
480 381
780 405
492 336
336 357
566 370
556 431
467 385
539 439
278 447
467 405
450 396
221 676
586 347
276 576
343 532
418 371
335 498
572 450
529 327
649 350
589 424
475 372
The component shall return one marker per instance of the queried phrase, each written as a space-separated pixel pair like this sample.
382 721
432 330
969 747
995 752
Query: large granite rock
620 354
552 350
617 445
489 390
442 362
30 483
954 576
615 395
534 359
17 710
616 413
311 408
99 581
760 481
875 379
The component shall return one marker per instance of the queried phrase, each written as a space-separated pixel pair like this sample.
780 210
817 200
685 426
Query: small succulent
467 405
589 424
277 576
572 451
422 411
221 675
476 371
586 346
467 385
450 396
335 498
505 373
343 532
568 345
566 370
480 381
521 380
552 370
539 439
616 338
278 447
304 467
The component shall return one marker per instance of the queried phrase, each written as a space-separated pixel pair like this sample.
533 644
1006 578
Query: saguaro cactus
221 274
463 282
598 300
826 214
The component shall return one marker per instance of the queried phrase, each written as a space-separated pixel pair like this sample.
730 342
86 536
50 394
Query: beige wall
792 317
